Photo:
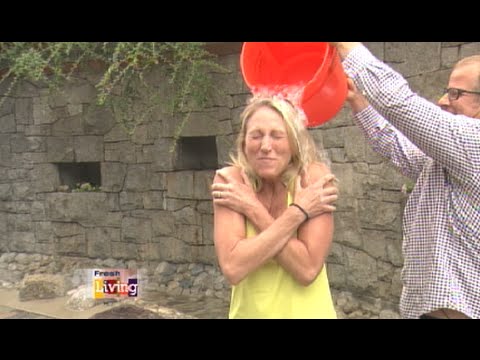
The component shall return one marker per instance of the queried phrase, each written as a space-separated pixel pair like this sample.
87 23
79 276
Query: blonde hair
303 148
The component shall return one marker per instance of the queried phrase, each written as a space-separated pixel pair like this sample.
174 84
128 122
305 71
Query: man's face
463 78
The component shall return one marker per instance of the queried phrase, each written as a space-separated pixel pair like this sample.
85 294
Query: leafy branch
123 85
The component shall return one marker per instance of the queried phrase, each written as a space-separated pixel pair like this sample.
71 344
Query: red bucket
313 66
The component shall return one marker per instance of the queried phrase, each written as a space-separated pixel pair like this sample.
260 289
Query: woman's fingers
218 187
331 190
218 194
327 178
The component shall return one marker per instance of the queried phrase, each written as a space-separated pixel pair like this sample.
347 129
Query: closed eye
255 135
278 135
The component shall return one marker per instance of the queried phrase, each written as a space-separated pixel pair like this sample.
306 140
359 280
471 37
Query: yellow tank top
270 292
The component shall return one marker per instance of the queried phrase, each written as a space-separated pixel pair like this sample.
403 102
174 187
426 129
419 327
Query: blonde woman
273 222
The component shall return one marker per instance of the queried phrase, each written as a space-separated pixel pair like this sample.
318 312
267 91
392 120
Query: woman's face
266 144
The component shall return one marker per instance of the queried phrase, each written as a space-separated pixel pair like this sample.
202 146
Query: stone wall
152 210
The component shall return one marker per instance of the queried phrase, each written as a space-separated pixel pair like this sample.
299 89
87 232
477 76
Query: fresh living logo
114 283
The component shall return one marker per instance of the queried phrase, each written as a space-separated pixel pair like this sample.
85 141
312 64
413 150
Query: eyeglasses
454 94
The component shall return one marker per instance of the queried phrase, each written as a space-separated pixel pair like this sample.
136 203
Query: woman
273 222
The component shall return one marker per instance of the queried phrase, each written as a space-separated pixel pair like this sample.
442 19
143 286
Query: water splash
292 93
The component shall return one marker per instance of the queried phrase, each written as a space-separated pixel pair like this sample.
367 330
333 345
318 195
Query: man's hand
355 99
344 48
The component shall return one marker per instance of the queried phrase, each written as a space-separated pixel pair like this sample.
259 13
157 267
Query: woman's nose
266 144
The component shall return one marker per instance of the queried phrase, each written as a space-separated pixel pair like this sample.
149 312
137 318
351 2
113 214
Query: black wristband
302 210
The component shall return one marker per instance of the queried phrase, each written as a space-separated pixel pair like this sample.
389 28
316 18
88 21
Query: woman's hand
317 198
233 194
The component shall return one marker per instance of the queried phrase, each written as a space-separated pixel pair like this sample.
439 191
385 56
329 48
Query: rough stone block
41 286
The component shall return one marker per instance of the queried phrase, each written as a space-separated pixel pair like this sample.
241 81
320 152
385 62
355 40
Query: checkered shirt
441 152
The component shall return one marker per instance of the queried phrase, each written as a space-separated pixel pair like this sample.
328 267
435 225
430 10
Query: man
439 148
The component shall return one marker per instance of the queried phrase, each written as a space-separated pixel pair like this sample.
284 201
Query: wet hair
303 148
474 61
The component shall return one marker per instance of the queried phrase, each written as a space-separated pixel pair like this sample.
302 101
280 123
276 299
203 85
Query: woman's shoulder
317 170
231 171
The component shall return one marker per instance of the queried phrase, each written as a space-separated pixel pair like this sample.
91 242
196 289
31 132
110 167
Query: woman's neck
272 196
272 187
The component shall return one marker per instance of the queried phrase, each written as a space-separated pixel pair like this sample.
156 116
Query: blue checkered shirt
441 152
